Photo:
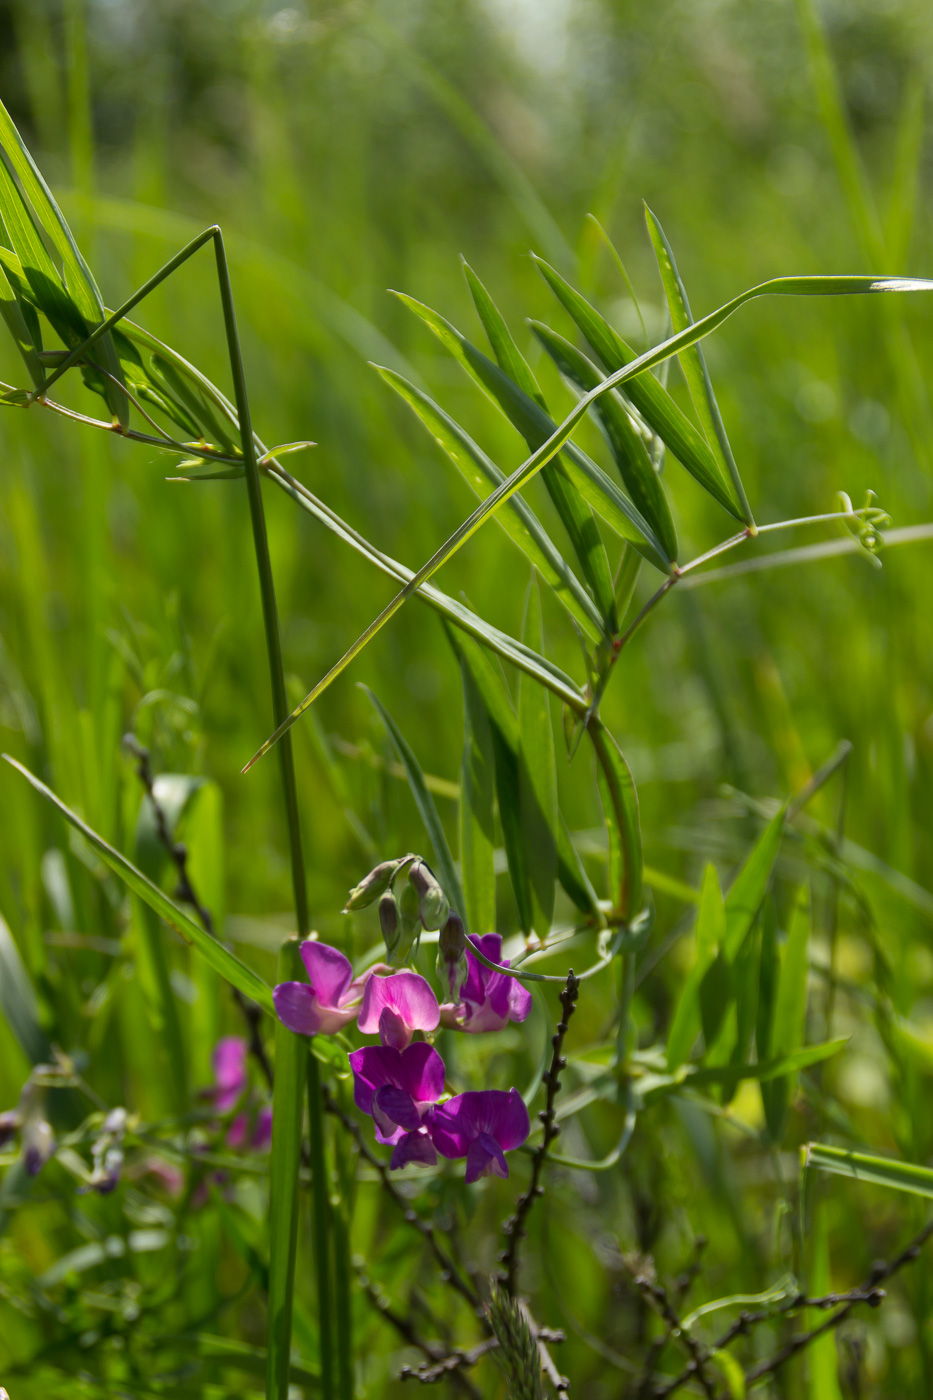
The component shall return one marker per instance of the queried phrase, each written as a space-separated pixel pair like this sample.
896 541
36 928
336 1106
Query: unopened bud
9 1126
388 920
38 1144
371 886
451 967
433 908
409 926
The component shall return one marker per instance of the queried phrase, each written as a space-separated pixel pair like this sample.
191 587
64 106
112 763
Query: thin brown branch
869 1293
449 1272
642 1272
434 1351
178 853
514 1228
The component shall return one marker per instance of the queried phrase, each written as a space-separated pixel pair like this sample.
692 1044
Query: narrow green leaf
216 954
696 373
778 286
446 872
519 522
620 807
710 936
74 305
745 894
651 399
174 384
477 798
732 1373
626 442
877 1171
534 425
538 778
789 1015
18 1001
508 356
767 1071
503 722
14 312
288 1098
822 1356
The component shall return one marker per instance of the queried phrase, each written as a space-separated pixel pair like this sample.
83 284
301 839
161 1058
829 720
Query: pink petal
485 1158
296 1007
405 993
413 1147
229 1062
519 1000
393 1030
329 971
398 1106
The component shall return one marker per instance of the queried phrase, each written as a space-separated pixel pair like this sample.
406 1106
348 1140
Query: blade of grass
693 362
780 286
519 522
477 794
710 935
620 805
288 1096
578 470
18 1000
216 954
628 448
788 1018
860 1166
537 795
425 803
647 394
320 1226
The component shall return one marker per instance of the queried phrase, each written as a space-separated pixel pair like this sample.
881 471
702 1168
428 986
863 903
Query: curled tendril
867 524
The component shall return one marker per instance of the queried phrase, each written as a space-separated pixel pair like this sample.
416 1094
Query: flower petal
229 1062
397 1106
519 1000
485 1158
329 971
413 1147
393 1030
405 993
422 1072
296 1007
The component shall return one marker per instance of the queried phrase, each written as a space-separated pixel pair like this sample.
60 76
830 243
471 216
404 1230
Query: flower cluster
401 1083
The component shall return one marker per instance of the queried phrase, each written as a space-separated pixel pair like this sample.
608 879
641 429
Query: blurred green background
349 148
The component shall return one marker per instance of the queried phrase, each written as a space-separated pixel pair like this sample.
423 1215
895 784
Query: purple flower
328 1001
397 1005
254 1134
481 1126
488 1000
230 1078
398 1088
37 1143
9 1126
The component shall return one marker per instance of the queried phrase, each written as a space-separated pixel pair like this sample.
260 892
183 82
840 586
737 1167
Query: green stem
270 615
287 1112
320 1219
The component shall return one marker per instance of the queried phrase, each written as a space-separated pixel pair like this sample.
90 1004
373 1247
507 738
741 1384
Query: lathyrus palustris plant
616 524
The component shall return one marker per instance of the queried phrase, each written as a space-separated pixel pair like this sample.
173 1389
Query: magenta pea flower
328 1001
397 1005
488 1000
248 1133
481 1125
398 1088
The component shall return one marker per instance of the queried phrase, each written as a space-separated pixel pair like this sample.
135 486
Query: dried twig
178 853
869 1293
434 1351
642 1272
514 1227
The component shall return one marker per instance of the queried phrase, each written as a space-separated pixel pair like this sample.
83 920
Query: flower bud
38 1144
432 901
371 886
451 966
389 921
409 927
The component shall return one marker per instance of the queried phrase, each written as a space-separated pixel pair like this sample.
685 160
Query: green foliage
753 928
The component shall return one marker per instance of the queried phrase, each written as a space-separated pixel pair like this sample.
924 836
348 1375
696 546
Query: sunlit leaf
693 362
876 1171
445 870
216 954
